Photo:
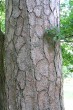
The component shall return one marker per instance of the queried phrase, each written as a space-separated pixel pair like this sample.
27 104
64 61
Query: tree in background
32 63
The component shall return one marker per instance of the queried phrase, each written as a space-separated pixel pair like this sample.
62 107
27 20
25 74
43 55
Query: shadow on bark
2 74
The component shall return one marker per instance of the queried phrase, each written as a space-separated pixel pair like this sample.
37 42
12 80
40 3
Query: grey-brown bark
33 65
2 74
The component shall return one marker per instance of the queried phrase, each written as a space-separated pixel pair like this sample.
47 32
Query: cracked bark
32 65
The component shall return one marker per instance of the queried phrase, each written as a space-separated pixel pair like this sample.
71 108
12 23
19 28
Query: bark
2 74
32 64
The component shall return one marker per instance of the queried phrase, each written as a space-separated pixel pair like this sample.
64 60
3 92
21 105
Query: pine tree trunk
32 64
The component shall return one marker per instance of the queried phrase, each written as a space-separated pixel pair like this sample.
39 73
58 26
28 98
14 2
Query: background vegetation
66 28
2 15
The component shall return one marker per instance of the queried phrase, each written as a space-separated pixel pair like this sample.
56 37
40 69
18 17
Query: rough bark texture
32 65
2 75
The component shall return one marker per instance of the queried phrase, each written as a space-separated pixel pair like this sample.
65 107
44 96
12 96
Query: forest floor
68 93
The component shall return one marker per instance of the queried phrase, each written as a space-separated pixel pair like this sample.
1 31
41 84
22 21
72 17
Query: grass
68 93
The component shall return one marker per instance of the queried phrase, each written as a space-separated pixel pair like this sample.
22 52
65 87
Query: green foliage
66 28
67 54
2 15
71 4
55 34
66 20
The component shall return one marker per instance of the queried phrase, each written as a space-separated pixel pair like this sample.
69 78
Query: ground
68 93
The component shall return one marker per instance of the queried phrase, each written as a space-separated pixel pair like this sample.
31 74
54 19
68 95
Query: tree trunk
2 75
32 64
